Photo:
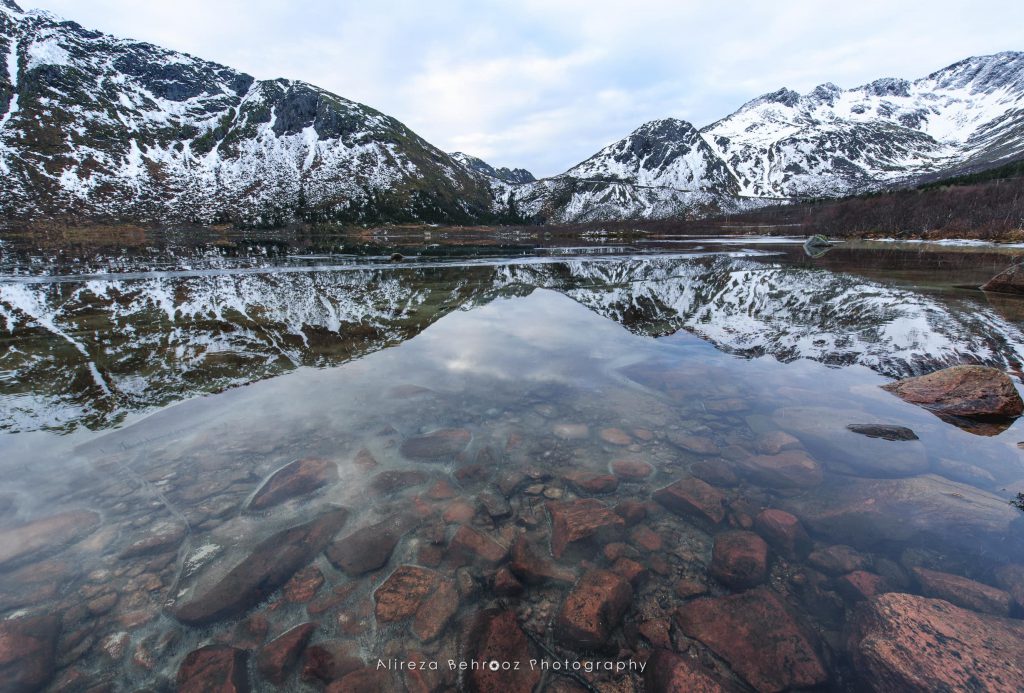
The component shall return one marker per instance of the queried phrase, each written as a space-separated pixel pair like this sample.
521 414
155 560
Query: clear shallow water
543 372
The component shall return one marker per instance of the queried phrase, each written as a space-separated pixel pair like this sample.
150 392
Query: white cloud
545 83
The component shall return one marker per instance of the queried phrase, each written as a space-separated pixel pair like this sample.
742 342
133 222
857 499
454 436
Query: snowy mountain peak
11 5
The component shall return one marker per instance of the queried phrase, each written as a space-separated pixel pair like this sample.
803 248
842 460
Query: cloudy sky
546 83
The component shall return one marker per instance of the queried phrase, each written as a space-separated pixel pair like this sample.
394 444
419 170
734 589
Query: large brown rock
295 479
495 636
27 652
593 609
278 657
267 567
964 592
758 635
367 549
739 559
1009 281
668 672
902 642
927 508
214 669
581 523
438 445
693 498
968 391
45 535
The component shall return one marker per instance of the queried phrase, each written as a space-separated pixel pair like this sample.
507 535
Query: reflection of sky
547 336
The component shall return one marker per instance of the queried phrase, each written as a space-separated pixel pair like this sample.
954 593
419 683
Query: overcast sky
544 84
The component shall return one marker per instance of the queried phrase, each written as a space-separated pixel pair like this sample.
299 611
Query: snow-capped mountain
508 175
834 142
830 142
98 127
104 127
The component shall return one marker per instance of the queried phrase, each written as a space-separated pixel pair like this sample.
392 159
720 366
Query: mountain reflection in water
84 352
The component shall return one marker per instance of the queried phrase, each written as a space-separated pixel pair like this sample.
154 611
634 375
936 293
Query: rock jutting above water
971 392
883 431
1009 281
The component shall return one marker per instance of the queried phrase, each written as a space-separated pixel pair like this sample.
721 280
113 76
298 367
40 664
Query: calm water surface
178 443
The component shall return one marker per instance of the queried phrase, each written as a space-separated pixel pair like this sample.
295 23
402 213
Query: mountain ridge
98 127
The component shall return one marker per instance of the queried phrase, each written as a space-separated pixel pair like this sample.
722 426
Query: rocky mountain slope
508 175
96 127
786 146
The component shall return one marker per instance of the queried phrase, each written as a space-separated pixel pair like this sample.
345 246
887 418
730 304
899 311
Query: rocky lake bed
665 465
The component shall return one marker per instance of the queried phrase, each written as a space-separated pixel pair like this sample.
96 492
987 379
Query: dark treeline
983 206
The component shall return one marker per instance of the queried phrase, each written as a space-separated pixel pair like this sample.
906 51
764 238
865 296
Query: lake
304 462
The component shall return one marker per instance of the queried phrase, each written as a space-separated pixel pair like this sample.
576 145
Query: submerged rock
575 523
783 531
45 535
214 669
927 508
495 636
534 570
1009 281
470 545
366 549
584 482
973 392
295 479
267 567
411 590
278 657
668 672
438 445
27 648
693 498
789 469
964 592
593 609
902 642
758 635
739 559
